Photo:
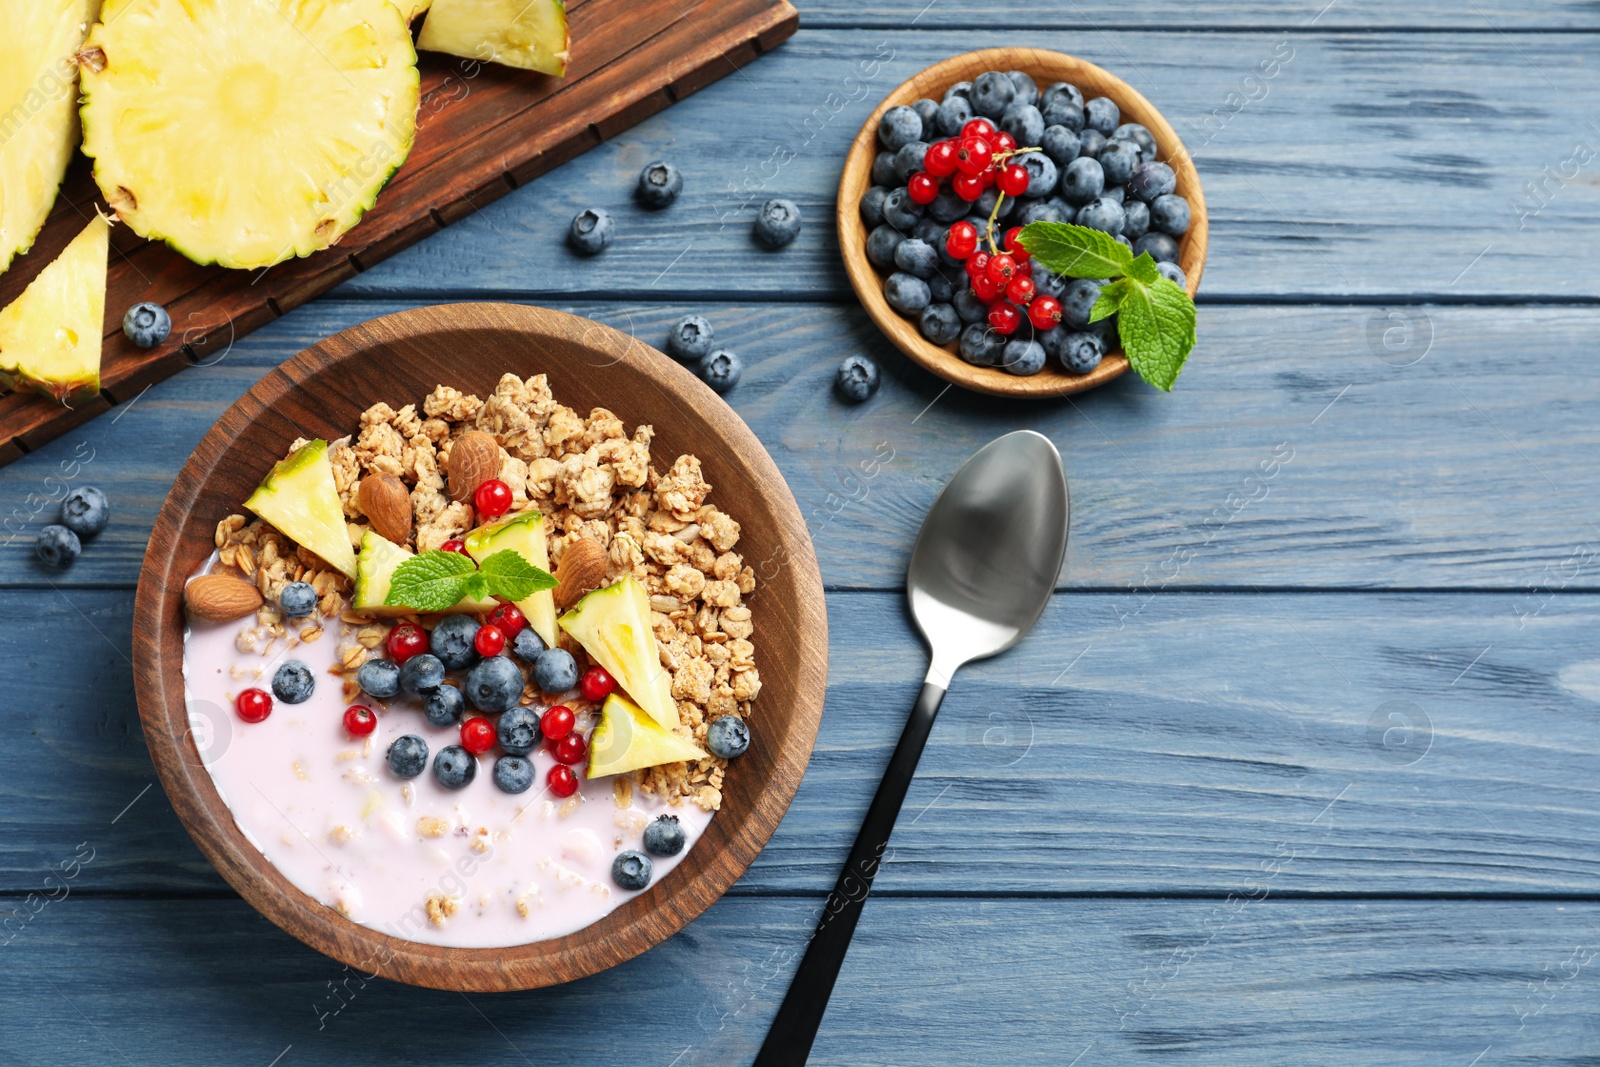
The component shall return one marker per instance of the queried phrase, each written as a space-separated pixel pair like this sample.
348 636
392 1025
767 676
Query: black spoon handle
789 1041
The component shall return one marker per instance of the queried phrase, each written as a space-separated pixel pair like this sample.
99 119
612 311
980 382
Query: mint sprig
438 581
1155 317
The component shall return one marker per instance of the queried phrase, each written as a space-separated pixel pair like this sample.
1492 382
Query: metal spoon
981 574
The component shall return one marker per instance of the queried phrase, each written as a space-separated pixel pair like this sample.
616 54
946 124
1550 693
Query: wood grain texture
322 392
1097 17
1045 68
481 131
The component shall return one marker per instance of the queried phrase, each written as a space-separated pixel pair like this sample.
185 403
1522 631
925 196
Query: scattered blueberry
992 93
379 678
954 113
1082 181
592 231
444 706
727 737
407 756
1080 353
900 211
689 341
57 546
513 774
631 870
909 159
883 169
899 126
1170 214
881 244
454 767
555 671
1102 114
1150 180
664 836
85 511
293 682
926 109
527 645
451 641
906 293
1078 300
493 684
1042 172
146 324
1102 213
1135 219
857 379
720 370
1117 159
1060 144
1173 273
298 600
1022 358
940 323
659 184
1091 143
778 222
518 731
872 206
1160 246
1024 123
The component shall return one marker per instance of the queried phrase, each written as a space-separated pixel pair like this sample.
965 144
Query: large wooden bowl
1045 68
322 392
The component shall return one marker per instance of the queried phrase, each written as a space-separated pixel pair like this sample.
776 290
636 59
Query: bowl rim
159 685
855 179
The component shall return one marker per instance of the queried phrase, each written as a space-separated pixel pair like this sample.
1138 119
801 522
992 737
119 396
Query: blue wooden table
1299 766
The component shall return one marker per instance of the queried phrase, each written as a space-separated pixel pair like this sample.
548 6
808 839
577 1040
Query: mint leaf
511 576
1075 251
1156 325
430 581
1110 297
1144 269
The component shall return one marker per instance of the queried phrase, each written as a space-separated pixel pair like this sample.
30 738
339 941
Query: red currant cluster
975 160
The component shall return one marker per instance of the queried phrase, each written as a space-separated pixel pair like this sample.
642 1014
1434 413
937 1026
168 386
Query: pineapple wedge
627 739
613 626
299 497
245 134
531 34
50 335
38 111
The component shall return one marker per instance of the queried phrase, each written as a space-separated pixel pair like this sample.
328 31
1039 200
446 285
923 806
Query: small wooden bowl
399 359
1045 68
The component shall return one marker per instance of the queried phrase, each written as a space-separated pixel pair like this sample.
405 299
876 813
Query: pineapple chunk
627 739
523 534
412 8
245 134
299 498
50 335
375 568
613 626
531 34
38 111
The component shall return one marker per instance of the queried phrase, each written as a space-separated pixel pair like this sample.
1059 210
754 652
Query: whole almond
220 598
474 459
581 571
387 505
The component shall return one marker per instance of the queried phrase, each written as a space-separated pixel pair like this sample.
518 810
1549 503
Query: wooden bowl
1045 68
322 392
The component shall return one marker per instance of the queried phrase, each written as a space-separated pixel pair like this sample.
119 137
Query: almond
474 459
220 598
386 503
581 571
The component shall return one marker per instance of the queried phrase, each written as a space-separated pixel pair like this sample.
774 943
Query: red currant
1014 179
477 735
253 705
489 641
1003 142
596 684
1019 291
1044 312
570 749
492 499
974 155
967 186
962 240
940 159
922 188
455 544
405 641
976 264
561 781
359 720
1004 318
1001 269
508 620
556 723
1013 243
978 128
985 287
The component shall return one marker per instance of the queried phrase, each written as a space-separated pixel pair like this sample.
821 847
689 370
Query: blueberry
1151 180
1173 273
1078 300
1062 112
1091 143
954 113
1160 246
727 737
690 339
452 639
1117 159
1042 172
1139 135
664 836
298 600
631 870
1082 181
527 645
1022 358
881 244
1116 193
947 207
883 169
721 371
985 205
909 159
1044 282
1122 239
959 89
1042 211
1170 214
926 109
659 184
900 211
407 756
1027 89
293 682
379 678
928 231
146 325
940 323
1102 114
1102 213
1106 330
57 546
454 767
1080 353
513 774
1061 91
992 93
592 231
940 289
444 706
555 671
85 511
1135 219
1024 123
906 293
968 306
916 257
980 345
777 223
494 684
1051 339
899 126
1060 144
872 206
518 731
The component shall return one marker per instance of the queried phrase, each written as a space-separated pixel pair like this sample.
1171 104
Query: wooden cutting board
482 131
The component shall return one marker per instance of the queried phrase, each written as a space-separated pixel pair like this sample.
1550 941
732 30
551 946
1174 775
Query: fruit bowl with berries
1022 222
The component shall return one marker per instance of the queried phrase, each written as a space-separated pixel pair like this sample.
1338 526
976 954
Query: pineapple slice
50 335
247 133
613 626
523 534
298 496
627 739
531 34
375 568
38 111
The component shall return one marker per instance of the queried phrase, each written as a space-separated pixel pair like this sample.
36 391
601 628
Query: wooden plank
480 128
927 982
1445 474
1172 746
1097 17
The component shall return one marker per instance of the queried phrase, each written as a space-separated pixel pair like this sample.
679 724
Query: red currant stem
988 230
1001 157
